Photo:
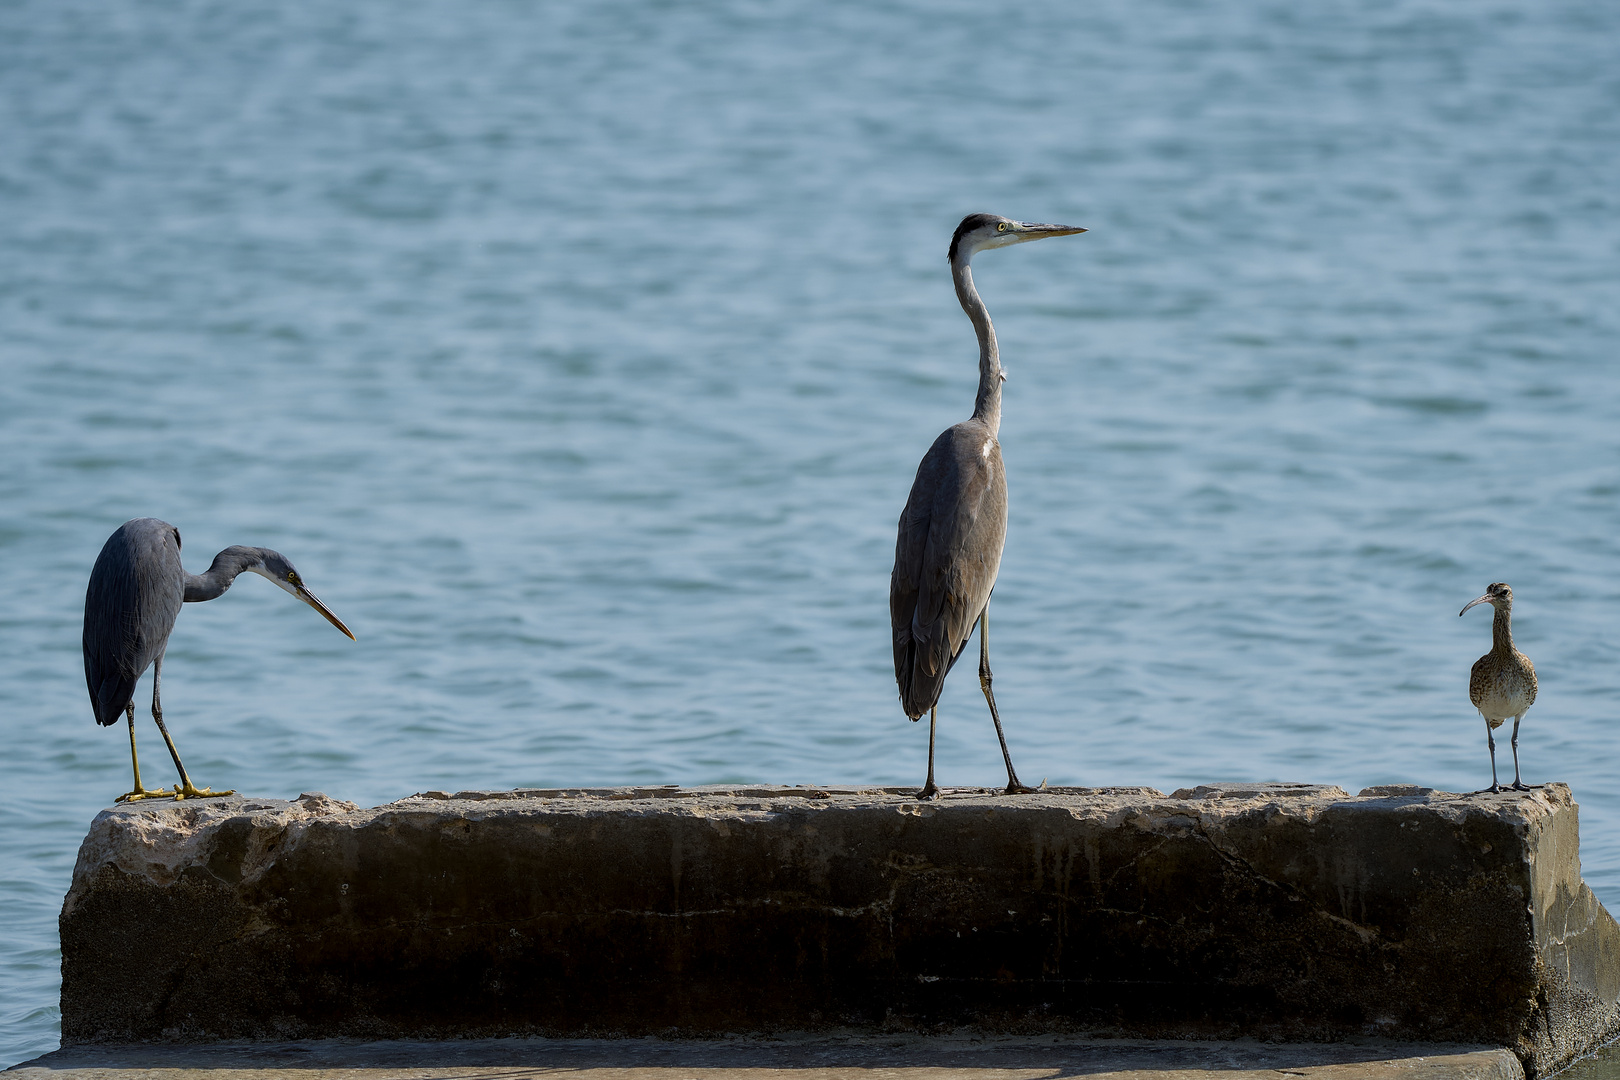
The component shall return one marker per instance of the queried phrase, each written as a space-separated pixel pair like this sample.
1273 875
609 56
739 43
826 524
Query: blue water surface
580 356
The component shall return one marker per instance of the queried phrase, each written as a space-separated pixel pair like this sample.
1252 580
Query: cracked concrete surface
1281 911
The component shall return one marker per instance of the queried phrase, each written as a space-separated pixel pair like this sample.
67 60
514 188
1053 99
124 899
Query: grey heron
1503 681
136 589
955 521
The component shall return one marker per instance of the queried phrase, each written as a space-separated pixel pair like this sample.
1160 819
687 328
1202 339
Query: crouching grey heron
136 589
955 520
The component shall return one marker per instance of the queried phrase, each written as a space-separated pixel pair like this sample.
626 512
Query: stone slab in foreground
1283 911
908 1057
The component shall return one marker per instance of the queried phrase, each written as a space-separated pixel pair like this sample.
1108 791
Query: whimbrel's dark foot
928 791
143 793
190 791
1525 787
1015 788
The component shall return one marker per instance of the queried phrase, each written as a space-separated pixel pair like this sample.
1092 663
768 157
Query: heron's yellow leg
190 792
139 792
185 789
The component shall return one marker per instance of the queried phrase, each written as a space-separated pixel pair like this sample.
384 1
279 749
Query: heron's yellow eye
1001 226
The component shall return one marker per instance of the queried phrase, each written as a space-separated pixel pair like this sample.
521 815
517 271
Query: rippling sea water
580 356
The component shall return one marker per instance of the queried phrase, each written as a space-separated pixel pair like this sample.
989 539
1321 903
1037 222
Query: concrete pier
846 1057
1280 911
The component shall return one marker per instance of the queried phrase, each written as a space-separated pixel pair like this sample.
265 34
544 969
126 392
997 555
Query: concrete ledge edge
821 1055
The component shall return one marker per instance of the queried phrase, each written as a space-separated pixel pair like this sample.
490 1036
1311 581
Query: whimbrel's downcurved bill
310 598
1471 603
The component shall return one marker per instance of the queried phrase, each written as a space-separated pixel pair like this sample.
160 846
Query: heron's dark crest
969 223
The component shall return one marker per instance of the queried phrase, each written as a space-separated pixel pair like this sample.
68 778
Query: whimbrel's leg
1517 785
139 792
929 791
1490 740
1014 787
188 791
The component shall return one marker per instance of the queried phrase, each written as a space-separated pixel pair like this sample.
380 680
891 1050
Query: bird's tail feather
924 676
111 698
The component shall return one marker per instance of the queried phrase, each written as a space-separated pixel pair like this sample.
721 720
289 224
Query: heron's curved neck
227 565
987 407
1502 631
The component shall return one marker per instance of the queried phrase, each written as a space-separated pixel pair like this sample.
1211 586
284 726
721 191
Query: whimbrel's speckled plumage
1503 681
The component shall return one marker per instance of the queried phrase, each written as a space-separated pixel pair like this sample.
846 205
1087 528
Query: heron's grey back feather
946 558
136 588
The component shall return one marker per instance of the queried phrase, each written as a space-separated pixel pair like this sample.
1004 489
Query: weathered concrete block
1280 911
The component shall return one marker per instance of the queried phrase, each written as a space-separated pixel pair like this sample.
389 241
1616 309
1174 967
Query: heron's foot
928 791
1016 788
1525 787
1494 789
142 793
192 792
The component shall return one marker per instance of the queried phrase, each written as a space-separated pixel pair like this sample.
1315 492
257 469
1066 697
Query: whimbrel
1503 682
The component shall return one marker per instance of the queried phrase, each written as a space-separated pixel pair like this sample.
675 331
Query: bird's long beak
313 601
1033 231
1471 603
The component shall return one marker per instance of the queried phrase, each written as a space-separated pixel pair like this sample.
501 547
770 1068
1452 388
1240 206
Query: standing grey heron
955 520
136 589
1503 681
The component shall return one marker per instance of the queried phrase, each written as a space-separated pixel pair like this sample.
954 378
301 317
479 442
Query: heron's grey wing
130 607
955 569
968 527
910 548
109 606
